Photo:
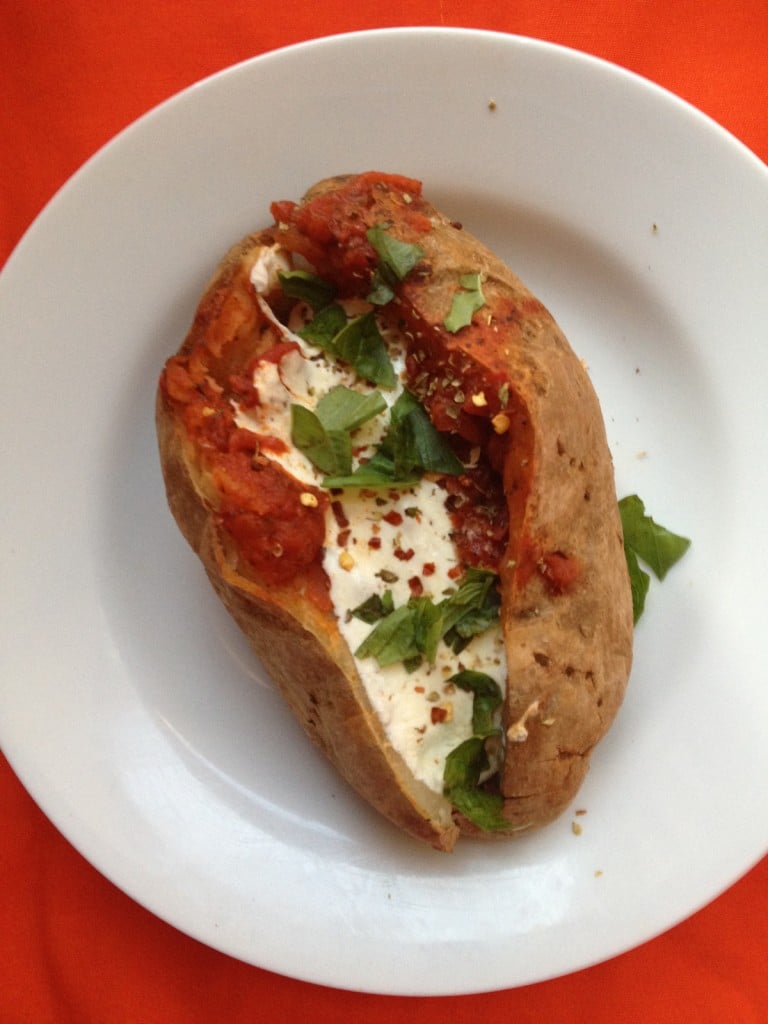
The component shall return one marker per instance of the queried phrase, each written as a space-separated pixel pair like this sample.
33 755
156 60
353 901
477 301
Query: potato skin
298 641
566 602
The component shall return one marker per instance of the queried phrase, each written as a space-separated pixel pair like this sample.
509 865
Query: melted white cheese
371 537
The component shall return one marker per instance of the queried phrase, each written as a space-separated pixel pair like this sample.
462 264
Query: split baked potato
394 470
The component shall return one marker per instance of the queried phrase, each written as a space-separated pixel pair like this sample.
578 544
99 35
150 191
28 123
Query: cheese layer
387 539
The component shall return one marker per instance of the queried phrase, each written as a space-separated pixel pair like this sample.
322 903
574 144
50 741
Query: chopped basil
463 768
376 607
412 446
393 639
399 257
396 260
471 609
416 628
343 408
324 435
357 342
647 541
639 582
329 450
486 701
307 287
465 763
428 625
378 471
324 326
480 807
361 345
382 291
465 303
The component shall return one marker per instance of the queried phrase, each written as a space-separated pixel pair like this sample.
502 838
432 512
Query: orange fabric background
72 947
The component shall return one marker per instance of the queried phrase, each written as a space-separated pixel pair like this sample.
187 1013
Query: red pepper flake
417 587
419 689
428 569
375 543
339 514
342 539
438 715
393 518
404 556
455 572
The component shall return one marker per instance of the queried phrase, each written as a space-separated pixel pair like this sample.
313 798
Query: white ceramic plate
129 704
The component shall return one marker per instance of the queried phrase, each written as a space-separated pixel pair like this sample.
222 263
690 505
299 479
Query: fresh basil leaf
476 593
360 344
658 547
639 582
378 471
410 447
413 443
393 639
487 699
324 435
376 607
428 622
417 627
463 768
329 450
647 541
465 303
465 764
382 288
398 257
483 809
306 429
407 634
307 287
342 408
324 326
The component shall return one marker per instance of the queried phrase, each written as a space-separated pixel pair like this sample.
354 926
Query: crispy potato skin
566 602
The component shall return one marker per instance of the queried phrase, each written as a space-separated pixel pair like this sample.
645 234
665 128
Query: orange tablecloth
73 947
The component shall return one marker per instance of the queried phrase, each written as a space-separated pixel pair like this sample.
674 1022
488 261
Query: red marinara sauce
329 229
276 522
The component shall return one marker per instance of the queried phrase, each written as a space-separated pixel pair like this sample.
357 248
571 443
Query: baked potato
395 472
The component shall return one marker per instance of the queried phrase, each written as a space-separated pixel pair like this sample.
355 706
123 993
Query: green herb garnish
307 287
396 260
463 768
647 541
357 342
393 639
413 443
416 628
471 609
408 634
465 303
411 447
324 326
324 435
374 608
361 345
487 699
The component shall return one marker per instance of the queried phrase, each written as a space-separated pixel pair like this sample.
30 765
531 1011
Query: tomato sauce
277 523
329 229
460 379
